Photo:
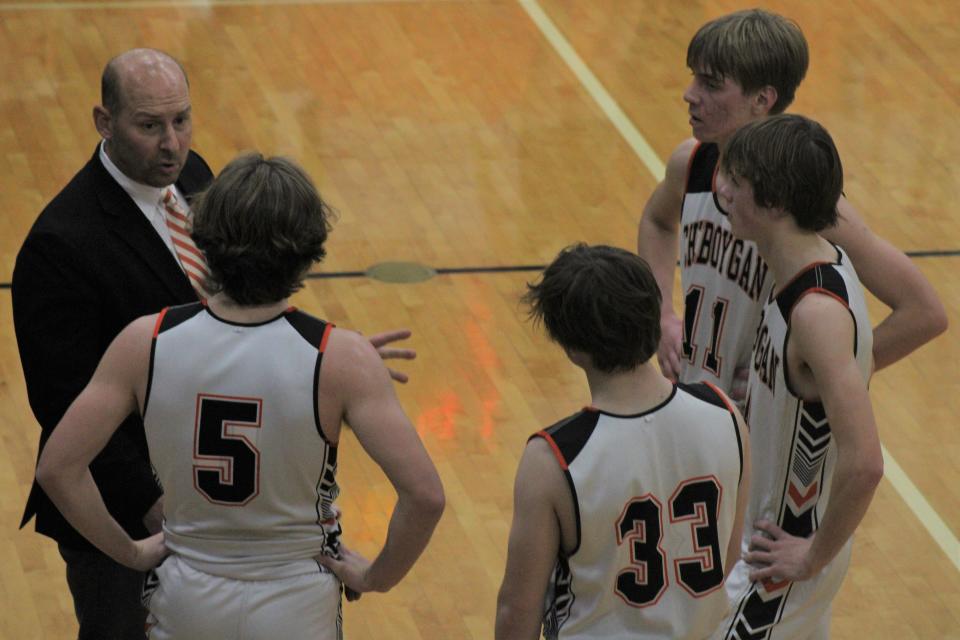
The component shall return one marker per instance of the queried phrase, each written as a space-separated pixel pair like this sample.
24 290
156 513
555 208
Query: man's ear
764 99
103 121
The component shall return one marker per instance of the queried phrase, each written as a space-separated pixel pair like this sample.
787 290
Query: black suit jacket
90 265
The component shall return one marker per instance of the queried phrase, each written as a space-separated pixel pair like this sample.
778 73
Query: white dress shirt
147 199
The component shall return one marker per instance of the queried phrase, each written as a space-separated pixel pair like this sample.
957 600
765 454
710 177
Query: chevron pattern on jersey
811 443
327 492
759 612
560 599
813 438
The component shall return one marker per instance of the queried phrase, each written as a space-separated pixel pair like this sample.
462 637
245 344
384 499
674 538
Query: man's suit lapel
125 219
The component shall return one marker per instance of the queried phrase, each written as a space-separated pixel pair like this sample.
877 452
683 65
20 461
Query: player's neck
223 307
628 392
788 254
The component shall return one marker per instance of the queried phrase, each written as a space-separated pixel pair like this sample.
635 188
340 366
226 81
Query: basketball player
746 66
627 514
818 453
242 399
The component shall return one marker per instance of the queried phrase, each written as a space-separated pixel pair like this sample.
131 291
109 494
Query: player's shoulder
350 355
131 347
679 160
567 437
819 308
819 289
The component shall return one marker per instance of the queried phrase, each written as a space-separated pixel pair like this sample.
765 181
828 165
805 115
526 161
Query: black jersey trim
570 435
823 278
168 318
235 323
308 326
819 275
705 392
703 165
328 475
172 316
314 331
666 401
736 430
567 439
555 449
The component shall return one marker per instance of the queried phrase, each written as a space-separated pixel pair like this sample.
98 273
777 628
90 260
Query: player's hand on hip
380 341
779 555
352 569
668 353
148 553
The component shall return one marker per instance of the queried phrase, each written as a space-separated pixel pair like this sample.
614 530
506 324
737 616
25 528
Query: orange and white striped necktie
191 259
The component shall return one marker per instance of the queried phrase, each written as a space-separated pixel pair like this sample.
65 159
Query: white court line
589 81
189 4
933 523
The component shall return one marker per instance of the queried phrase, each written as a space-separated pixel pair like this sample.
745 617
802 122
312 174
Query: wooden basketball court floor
456 135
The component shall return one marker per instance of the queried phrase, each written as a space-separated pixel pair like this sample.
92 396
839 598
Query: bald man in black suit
100 255
97 258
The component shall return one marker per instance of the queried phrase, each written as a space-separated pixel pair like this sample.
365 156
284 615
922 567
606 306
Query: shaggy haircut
602 301
792 164
261 225
755 48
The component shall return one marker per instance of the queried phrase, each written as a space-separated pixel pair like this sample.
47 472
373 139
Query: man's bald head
130 69
145 116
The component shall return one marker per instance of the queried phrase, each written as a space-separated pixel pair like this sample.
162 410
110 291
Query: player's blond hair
755 48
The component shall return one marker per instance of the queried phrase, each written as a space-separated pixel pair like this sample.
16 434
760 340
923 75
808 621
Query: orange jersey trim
326 336
556 450
156 326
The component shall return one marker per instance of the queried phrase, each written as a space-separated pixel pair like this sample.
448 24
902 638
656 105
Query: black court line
947 253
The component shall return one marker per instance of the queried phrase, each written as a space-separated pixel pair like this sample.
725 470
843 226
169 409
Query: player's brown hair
792 164
261 225
755 48
602 301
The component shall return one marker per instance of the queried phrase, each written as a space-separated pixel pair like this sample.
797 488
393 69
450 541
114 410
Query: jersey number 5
640 525
226 466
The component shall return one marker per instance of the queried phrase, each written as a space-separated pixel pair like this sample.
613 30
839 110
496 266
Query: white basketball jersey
793 456
234 436
655 497
724 281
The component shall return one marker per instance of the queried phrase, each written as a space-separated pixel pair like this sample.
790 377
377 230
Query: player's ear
764 100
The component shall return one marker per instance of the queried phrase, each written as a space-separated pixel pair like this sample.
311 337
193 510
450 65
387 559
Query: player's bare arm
822 365
916 313
535 538
355 386
63 470
657 243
